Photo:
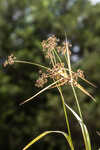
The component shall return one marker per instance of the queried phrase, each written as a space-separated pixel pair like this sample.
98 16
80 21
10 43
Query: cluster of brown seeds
41 80
51 44
59 72
10 60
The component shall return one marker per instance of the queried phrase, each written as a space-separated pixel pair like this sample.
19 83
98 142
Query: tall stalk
66 117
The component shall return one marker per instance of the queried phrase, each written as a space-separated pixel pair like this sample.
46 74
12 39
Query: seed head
10 60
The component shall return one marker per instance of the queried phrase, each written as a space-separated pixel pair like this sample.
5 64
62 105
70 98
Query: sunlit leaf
84 91
83 127
46 133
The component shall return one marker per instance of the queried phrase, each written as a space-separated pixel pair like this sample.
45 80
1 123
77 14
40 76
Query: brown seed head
10 60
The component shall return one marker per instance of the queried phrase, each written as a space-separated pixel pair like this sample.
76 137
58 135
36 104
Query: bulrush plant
61 74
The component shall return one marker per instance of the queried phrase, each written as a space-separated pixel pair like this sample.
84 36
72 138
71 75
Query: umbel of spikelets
59 72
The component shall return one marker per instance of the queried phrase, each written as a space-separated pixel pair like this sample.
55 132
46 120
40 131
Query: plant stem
66 117
76 98
31 63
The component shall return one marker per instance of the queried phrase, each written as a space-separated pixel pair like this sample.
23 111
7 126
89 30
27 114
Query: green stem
78 106
58 56
66 117
30 63
79 109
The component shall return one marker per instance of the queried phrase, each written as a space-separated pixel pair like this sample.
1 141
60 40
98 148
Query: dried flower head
80 73
50 43
49 46
41 80
9 60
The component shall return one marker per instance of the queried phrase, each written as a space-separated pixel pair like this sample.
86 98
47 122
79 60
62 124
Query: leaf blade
83 127
46 133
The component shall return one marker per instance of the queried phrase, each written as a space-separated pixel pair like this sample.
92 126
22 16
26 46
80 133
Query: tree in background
23 25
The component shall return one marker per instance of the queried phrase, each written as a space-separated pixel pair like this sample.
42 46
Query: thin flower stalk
66 116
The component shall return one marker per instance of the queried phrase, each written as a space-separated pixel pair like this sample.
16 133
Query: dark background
23 26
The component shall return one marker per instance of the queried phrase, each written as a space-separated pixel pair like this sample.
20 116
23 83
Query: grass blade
83 79
83 127
88 82
44 134
44 89
84 91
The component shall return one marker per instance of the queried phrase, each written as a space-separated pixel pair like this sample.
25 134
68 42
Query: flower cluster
59 72
41 80
51 44
9 60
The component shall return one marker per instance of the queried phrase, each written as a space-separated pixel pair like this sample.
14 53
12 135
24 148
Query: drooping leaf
46 133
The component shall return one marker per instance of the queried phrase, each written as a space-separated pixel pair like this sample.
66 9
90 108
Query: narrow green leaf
83 127
46 133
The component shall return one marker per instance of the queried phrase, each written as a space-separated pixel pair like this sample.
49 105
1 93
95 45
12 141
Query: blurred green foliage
23 25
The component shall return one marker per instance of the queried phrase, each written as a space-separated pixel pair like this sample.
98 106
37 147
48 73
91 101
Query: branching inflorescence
57 72
61 74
